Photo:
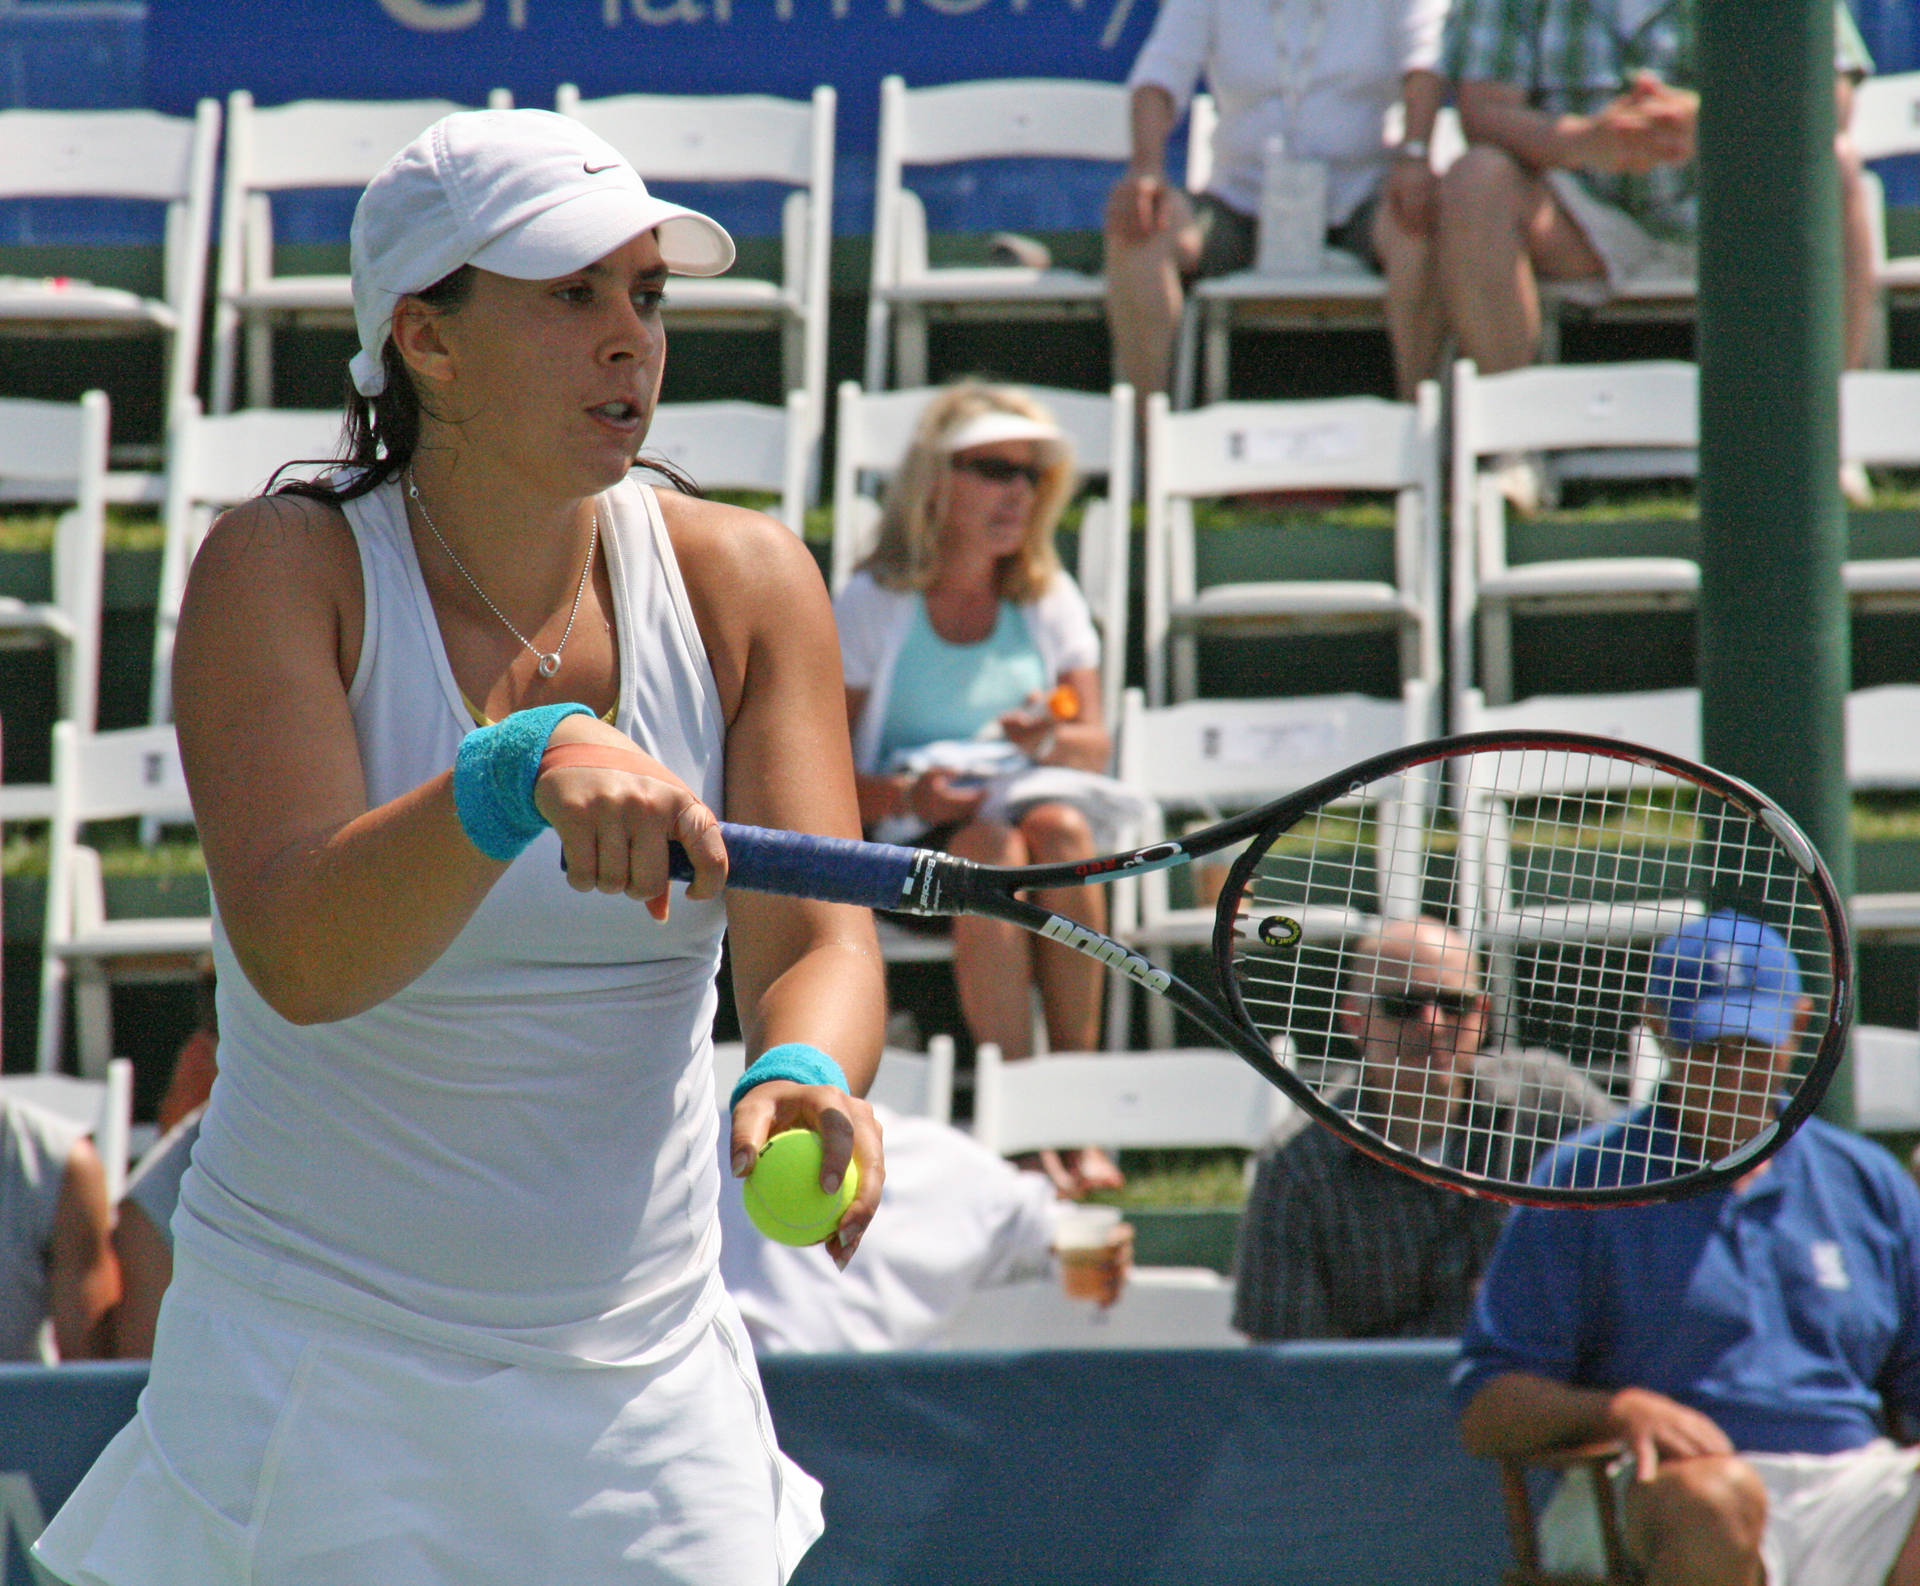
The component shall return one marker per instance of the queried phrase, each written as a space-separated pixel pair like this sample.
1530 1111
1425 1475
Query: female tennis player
446 1309
963 621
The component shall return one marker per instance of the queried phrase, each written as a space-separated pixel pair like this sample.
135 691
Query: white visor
985 429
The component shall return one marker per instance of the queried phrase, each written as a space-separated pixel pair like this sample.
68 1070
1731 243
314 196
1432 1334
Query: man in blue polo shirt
1752 1348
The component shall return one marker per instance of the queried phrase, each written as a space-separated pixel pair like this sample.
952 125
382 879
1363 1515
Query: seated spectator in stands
190 1081
1287 72
1580 115
956 634
55 1219
1751 1348
143 1230
143 1237
956 1219
1334 1244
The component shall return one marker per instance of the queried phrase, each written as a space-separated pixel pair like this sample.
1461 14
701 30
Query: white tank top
516 1155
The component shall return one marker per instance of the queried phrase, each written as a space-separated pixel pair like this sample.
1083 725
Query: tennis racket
1560 860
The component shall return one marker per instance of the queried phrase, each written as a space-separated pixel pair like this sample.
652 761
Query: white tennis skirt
276 1447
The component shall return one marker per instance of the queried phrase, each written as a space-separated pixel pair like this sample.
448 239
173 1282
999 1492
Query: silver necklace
549 659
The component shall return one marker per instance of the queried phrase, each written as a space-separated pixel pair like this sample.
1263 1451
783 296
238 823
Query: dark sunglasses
1414 1001
1000 471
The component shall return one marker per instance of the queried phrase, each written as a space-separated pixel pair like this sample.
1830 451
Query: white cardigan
873 627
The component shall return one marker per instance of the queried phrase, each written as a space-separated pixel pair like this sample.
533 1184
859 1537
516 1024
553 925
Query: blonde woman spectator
965 641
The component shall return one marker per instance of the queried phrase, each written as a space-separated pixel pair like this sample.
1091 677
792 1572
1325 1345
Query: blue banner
463 49
1291 1466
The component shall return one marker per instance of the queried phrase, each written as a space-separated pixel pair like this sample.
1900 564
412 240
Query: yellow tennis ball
783 1195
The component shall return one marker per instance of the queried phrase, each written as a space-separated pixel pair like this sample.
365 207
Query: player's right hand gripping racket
1562 859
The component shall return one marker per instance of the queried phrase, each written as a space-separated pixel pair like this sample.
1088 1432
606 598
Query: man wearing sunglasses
1335 1245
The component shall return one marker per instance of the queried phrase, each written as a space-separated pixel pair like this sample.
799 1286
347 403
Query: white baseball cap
525 193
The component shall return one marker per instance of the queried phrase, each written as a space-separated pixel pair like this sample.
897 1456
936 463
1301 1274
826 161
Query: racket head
1507 891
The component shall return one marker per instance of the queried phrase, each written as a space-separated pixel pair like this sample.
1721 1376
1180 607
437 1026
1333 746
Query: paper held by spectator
1014 784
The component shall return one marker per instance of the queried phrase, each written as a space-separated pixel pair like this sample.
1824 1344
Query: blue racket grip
800 865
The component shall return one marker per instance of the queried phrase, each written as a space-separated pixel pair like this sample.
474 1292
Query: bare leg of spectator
1416 318
1501 229
992 960
1071 983
1144 298
1699 1523
1859 268
1906 1568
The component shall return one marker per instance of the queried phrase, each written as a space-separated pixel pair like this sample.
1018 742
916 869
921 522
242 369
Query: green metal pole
1773 630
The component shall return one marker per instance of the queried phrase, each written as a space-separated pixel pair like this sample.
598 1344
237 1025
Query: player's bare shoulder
279 563
733 548
755 588
299 535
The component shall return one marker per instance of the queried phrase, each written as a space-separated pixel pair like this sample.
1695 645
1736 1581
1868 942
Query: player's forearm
338 922
1150 120
1521 1413
1491 114
831 994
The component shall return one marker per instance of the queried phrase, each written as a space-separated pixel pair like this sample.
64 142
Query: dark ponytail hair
381 434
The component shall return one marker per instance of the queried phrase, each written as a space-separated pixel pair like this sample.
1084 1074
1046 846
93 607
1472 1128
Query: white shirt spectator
1347 59
34 1148
956 1218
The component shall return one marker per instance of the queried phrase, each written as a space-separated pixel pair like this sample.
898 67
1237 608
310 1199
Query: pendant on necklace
550 663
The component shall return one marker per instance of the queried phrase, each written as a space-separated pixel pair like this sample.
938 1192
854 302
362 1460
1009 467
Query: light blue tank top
942 690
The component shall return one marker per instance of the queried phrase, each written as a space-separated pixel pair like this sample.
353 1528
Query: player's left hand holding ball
849 1134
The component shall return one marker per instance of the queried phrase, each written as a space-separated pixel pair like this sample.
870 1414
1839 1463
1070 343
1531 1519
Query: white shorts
1832 1519
276 1447
1629 252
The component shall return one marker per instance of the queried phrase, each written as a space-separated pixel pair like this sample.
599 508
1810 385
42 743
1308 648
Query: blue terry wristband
493 777
794 1060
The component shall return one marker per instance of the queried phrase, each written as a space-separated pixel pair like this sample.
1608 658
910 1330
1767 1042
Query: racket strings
1462 970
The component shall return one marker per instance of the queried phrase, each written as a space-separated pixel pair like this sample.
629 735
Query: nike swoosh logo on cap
595 170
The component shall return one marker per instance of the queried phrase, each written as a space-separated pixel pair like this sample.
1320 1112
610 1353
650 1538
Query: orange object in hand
1063 704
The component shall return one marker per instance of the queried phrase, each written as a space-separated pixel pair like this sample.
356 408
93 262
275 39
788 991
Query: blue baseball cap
1725 977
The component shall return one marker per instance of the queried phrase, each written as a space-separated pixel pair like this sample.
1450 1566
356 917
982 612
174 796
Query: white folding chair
103 1107
1203 759
1644 413
871 437
56 452
130 773
214 462
741 446
1179 1098
1237 448
1160 1308
1007 118
306 146
917 1084
119 154
743 138
1652 299
1527 938
1883 756
1662 718
1342 294
1880 428
1886 1079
